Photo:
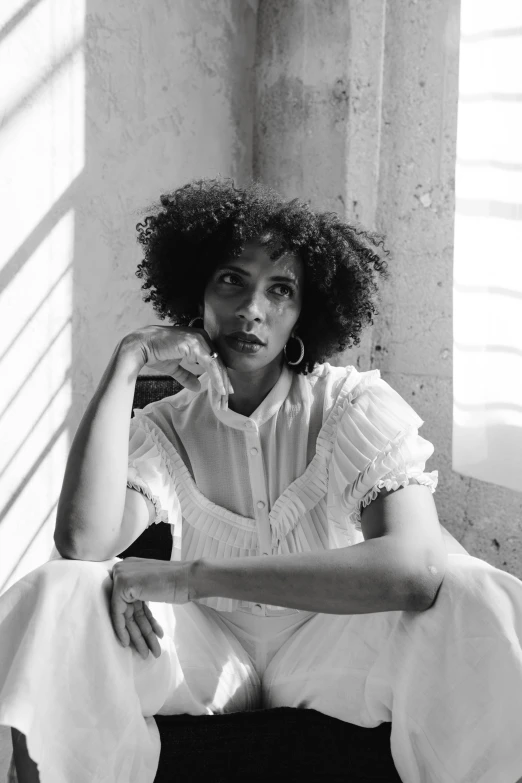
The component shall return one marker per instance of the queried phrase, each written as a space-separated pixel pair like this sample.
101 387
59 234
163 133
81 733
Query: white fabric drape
487 369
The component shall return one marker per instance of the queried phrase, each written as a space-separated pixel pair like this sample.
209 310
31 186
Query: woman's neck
251 388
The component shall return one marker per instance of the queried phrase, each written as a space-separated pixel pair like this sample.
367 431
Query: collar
268 407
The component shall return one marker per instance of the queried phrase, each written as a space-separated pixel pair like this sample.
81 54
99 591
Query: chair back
151 388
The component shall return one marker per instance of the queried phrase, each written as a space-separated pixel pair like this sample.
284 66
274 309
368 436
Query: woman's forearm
92 499
378 575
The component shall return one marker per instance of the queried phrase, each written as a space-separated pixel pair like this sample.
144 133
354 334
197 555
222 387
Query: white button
253 450
257 609
249 424
260 504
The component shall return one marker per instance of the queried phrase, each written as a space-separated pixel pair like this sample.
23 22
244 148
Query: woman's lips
241 345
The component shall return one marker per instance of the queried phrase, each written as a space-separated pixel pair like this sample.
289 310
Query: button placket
258 489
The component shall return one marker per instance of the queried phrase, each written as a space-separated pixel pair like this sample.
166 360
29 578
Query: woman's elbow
425 582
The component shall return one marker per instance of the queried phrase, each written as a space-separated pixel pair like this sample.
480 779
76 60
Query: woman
361 607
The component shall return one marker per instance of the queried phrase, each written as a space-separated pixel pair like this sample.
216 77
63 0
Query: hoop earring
197 318
301 354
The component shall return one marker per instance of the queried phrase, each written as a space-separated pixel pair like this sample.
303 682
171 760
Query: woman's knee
87 575
477 592
466 573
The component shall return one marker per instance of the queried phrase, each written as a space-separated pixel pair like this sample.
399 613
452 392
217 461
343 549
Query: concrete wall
129 101
168 98
366 127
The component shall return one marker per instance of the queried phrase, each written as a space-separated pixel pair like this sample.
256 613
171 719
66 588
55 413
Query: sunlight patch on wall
487 294
41 156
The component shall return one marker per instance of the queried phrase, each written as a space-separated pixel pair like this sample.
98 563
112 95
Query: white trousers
449 679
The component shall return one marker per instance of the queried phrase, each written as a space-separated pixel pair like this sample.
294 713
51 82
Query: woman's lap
449 679
84 702
421 669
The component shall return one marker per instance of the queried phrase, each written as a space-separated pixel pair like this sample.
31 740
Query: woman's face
258 296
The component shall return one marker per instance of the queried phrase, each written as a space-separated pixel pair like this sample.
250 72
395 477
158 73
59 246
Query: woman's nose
251 306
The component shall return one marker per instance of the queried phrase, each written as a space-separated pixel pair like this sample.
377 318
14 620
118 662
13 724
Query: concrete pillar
317 119
318 85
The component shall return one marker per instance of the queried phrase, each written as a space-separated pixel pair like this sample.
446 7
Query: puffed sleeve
376 445
148 473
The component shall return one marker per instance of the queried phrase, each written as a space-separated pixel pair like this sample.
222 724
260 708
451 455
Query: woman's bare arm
399 566
97 516
94 494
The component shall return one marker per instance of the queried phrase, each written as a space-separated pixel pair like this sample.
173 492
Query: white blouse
291 477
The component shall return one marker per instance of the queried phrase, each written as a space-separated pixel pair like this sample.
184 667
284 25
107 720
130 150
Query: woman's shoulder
335 383
332 374
364 400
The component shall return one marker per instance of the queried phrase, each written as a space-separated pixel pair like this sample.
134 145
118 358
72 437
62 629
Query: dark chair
282 744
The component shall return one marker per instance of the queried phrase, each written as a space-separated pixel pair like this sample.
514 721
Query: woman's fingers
118 611
135 625
186 378
140 631
142 619
143 628
156 627
207 357
213 364
215 372
198 350
168 346
217 375
219 369
224 374
134 632
229 385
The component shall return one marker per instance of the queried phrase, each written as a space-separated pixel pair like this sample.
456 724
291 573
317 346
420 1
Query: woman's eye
278 285
227 274
290 291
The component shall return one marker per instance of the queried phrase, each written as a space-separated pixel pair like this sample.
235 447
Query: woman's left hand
136 580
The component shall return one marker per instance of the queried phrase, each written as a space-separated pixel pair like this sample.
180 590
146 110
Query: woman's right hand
163 348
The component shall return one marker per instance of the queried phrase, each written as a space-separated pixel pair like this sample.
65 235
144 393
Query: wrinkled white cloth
449 679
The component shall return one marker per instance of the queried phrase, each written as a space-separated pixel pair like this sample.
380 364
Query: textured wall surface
412 341
369 131
168 99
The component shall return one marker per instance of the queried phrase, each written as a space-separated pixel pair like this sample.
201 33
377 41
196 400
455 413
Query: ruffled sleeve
376 445
147 473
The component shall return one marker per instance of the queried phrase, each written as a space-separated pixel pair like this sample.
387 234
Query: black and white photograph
261 391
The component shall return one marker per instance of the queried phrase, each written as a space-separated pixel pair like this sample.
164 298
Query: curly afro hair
208 221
